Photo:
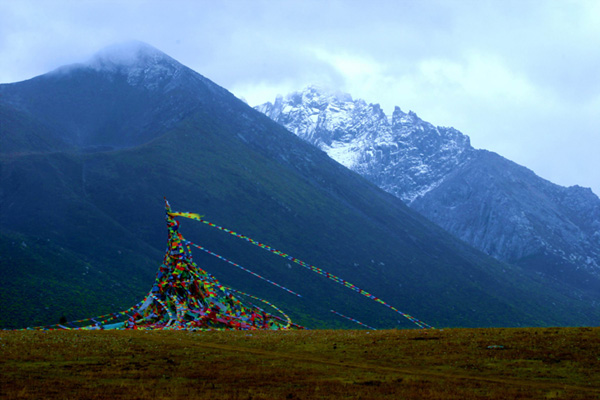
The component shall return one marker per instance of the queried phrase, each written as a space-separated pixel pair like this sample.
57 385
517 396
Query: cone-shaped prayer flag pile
184 296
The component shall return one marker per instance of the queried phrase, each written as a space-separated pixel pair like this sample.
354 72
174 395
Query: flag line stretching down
184 296
319 271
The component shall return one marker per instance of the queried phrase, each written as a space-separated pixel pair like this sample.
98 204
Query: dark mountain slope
221 158
476 200
20 131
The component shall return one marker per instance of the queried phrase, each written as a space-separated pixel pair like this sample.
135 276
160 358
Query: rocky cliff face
488 201
403 154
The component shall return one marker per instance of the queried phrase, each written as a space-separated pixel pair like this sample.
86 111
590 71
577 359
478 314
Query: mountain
107 103
88 151
405 156
496 205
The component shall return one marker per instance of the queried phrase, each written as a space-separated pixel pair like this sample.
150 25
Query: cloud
518 76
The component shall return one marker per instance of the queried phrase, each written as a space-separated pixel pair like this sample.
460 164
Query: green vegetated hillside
98 207
42 281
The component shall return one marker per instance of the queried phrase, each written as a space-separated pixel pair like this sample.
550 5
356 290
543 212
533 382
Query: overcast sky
521 78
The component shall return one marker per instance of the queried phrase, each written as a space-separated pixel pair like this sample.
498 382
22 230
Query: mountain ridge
434 170
353 133
144 72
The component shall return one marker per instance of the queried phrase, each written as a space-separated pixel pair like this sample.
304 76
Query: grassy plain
533 363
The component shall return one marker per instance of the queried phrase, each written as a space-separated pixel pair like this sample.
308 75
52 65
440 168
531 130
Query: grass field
535 363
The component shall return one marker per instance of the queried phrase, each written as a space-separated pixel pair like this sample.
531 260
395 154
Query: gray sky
521 78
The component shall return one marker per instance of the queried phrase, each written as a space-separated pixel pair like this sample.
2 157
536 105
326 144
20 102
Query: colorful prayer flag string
288 319
243 269
352 319
184 296
313 268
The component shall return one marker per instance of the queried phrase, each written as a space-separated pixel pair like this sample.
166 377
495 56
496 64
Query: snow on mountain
404 155
492 203
143 64
149 91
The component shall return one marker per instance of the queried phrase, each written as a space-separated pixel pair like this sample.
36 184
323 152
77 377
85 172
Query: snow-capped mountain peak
400 118
320 95
492 203
131 54
143 64
362 137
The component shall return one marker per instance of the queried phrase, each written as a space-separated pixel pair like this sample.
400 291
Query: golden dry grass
536 363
